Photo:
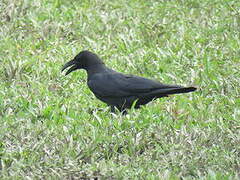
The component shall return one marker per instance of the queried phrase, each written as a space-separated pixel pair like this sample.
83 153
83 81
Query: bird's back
121 90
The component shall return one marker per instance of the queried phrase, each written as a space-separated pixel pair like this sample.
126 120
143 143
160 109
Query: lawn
52 126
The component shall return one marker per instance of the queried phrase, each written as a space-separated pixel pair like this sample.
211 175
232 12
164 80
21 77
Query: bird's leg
113 110
124 112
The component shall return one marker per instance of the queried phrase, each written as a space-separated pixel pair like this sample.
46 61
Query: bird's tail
163 92
178 90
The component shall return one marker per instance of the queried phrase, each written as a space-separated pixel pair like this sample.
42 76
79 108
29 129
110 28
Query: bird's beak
68 64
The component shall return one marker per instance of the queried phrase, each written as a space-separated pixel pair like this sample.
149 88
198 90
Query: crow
119 90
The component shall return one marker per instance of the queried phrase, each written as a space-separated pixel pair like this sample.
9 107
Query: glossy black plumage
117 89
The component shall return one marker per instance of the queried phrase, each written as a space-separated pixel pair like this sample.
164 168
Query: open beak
68 64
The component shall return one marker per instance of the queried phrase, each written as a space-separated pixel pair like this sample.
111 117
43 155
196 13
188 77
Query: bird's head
83 60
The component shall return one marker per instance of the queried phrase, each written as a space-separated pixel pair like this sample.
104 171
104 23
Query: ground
52 126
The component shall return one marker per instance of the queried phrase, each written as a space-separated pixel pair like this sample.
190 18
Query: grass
52 126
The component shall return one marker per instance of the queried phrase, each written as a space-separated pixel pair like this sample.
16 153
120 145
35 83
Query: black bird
119 90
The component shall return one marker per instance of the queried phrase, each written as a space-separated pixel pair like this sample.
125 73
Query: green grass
52 126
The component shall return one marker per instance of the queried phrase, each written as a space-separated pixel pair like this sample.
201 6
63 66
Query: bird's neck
96 68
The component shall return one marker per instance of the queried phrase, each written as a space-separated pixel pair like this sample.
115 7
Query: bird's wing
119 85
